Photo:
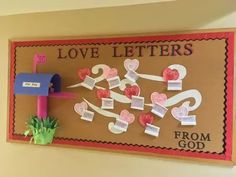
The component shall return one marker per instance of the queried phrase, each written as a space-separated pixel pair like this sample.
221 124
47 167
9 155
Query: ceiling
12 7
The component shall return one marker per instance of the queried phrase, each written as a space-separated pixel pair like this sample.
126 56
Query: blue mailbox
37 84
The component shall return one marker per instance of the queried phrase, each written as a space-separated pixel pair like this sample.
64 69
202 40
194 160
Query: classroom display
160 94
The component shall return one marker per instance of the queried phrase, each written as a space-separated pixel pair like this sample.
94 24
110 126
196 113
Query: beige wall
25 160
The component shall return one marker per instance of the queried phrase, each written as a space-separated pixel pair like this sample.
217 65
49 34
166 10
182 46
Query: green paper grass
43 130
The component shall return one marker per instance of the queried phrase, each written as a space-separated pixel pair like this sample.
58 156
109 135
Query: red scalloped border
227 155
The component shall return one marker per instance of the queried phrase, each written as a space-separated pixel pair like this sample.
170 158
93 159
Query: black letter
188 49
71 51
59 54
115 52
164 50
94 52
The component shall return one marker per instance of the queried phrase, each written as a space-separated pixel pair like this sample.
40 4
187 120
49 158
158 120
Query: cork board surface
207 57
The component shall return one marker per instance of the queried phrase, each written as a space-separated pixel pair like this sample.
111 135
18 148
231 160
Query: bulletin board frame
227 157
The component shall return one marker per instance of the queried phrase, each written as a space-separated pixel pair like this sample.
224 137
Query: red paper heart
170 74
146 118
132 91
103 93
83 72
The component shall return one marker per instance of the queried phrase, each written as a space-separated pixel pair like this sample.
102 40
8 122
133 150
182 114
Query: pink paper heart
80 107
110 73
178 112
126 116
159 98
131 65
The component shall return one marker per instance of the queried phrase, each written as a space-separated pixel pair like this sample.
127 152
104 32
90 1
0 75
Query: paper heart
158 98
178 112
110 73
170 74
103 93
80 107
132 91
146 118
83 72
126 116
131 65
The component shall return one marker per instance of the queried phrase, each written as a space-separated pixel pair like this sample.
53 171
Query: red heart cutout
103 93
146 118
83 72
170 74
132 91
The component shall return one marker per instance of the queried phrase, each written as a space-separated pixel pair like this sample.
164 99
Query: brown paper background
205 72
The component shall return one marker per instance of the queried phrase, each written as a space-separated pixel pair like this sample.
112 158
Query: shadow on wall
177 15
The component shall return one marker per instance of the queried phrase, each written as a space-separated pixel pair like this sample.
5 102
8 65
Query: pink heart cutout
110 73
159 98
178 112
126 116
131 65
80 107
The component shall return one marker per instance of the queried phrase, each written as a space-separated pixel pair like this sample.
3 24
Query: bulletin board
180 85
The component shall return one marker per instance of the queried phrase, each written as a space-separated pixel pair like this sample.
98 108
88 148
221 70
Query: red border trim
196 36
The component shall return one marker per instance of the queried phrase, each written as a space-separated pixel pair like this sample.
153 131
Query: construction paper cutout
36 83
88 83
152 130
145 118
38 59
133 90
131 64
101 111
110 73
188 120
107 103
127 116
170 74
80 107
113 130
189 94
95 70
87 115
132 76
102 93
137 102
121 125
83 72
174 85
159 110
114 82
158 98
179 112
43 130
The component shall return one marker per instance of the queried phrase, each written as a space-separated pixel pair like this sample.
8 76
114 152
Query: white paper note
132 76
174 85
88 83
159 110
152 130
107 103
87 115
121 125
188 120
137 102
114 82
